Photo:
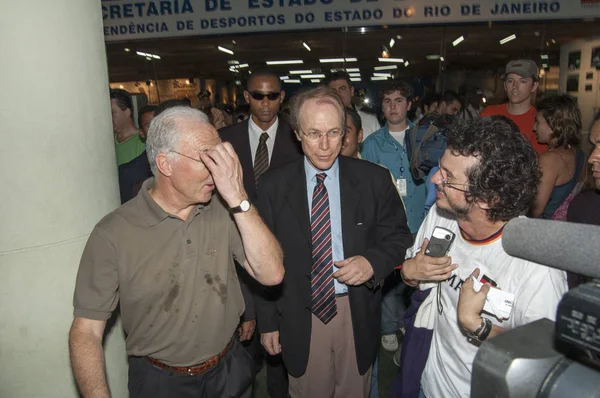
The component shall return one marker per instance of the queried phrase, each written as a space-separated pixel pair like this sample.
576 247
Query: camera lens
448 237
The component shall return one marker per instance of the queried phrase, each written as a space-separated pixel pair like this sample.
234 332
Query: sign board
146 19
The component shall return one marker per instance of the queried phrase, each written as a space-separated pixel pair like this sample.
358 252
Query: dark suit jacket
373 225
285 149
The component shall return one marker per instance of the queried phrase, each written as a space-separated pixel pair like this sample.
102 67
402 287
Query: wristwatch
243 207
482 332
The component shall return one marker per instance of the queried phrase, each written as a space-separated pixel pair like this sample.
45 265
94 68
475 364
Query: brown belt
192 370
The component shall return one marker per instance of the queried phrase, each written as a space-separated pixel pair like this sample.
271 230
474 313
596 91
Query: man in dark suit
262 142
342 227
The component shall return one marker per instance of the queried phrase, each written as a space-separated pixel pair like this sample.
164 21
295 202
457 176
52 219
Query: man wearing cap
217 118
520 82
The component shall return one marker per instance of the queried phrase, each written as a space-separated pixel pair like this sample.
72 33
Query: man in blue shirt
387 147
343 229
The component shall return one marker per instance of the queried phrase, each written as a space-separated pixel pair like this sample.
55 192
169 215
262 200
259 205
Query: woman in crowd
558 124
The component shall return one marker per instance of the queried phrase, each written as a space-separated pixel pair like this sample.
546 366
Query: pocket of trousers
240 370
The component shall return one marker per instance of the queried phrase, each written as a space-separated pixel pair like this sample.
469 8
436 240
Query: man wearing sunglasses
488 175
342 227
263 141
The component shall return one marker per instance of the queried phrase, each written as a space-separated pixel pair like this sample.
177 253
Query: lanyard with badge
401 182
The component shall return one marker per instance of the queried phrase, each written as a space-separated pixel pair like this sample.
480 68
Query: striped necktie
323 290
261 159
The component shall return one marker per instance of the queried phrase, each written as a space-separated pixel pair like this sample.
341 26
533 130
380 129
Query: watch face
245 205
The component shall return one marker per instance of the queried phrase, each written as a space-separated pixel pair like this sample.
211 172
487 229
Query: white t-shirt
538 290
399 135
369 122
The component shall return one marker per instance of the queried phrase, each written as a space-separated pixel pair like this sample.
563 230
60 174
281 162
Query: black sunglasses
260 96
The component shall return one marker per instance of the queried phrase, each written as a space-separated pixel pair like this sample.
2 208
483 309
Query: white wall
58 178
589 102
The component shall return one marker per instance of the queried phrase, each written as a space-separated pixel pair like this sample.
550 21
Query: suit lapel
350 198
297 198
283 147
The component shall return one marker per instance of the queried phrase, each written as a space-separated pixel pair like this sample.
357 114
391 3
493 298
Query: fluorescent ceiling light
315 80
127 49
352 70
292 81
355 79
378 78
284 77
544 65
386 67
392 42
306 46
300 72
363 30
458 41
507 39
442 59
354 74
225 50
544 56
406 63
399 60
147 55
329 60
243 66
315 76
432 56
382 74
289 62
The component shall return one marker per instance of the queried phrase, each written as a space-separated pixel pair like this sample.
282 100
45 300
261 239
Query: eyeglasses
260 96
189 157
446 183
316 135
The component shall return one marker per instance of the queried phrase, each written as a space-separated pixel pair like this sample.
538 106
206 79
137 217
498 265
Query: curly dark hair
507 174
564 118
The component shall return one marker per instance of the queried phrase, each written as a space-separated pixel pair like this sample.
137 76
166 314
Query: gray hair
164 132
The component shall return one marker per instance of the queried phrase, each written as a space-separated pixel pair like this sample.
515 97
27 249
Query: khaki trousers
332 371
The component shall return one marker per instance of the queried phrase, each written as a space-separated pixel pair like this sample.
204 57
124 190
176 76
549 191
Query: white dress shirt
255 133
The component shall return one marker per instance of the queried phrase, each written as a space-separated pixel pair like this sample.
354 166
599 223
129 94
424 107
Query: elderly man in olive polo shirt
167 257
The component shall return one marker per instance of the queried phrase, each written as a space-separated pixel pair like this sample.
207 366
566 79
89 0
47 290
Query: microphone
563 245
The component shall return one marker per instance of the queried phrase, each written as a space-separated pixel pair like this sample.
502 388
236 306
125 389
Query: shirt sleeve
539 296
97 285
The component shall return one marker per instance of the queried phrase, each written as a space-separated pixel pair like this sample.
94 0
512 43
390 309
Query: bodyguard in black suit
327 209
263 141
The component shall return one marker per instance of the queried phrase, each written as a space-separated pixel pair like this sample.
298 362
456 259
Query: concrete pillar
58 178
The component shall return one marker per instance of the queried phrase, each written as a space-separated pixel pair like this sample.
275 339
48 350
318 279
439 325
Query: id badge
401 185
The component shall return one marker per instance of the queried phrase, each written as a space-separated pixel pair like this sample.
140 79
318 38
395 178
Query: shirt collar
151 212
333 172
258 131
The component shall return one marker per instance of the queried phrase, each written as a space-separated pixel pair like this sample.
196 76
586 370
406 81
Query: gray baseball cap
523 68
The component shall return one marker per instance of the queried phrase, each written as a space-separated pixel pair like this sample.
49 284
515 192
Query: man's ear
535 87
247 96
359 136
298 135
281 96
164 164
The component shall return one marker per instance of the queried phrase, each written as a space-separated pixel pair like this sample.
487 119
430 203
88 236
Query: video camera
543 358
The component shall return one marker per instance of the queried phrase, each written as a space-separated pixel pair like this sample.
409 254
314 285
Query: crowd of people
298 239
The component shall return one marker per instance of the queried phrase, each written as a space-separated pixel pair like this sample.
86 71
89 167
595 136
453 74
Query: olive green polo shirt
176 282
